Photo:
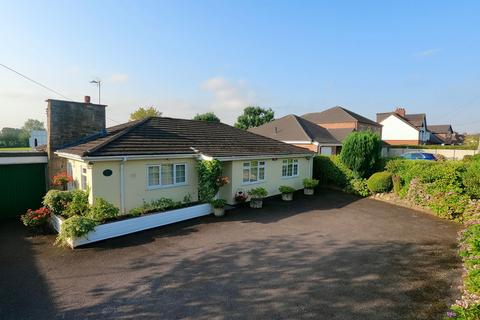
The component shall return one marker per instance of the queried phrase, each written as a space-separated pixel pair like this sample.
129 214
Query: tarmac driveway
331 256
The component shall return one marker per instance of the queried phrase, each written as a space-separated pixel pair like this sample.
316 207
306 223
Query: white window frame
294 163
83 178
250 181
174 184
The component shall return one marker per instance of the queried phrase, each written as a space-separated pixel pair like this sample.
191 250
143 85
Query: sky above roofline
188 57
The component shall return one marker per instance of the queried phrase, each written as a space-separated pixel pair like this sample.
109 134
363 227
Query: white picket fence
452 154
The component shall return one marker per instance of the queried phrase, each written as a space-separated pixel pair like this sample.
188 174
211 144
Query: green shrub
78 205
310 183
102 210
75 226
472 312
471 180
333 172
380 182
209 171
57 201
397 184
162 204
218 203
258 192
286 189
358 186
361 152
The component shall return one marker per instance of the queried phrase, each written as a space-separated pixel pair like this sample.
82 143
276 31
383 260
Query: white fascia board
23 160
264 156
298 141
125 158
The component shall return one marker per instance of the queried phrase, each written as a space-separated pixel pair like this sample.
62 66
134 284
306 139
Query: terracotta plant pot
256 203
287 196
219 212
308 191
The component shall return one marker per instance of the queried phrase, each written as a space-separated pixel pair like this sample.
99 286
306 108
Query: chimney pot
400 111
87 99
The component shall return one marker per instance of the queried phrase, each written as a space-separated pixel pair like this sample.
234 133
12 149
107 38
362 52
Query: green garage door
22 187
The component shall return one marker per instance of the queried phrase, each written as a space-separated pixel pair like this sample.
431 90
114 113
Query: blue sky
186 57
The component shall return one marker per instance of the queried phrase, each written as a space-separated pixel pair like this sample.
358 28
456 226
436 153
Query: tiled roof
165 136
341 134
337 115
294 128
415 120
440 128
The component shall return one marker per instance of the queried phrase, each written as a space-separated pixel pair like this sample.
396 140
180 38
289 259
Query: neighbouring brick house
400 128
340 121
444 134
321 132
295 130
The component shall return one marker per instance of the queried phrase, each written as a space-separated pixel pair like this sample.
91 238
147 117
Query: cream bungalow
144 160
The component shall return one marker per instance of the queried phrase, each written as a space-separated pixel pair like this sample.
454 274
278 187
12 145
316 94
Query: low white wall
452 154
127 226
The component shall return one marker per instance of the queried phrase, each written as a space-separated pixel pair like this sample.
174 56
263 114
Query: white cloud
229 97
118 78
427 53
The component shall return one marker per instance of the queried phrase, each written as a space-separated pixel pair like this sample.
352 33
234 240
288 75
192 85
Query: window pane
246 164
246 175
253 174
180 173
167 174
295 169
284 170
153 176
254 163
261 163
289 171
261 173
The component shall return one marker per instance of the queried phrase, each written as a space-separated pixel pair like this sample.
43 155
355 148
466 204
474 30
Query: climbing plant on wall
209 171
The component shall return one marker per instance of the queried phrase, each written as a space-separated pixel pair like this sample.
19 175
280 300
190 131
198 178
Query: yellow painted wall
136 190
76 172
273 178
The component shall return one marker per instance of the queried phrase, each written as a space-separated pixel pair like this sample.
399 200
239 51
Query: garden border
132 225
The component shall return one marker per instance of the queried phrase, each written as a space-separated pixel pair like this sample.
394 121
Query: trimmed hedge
331 171
380 182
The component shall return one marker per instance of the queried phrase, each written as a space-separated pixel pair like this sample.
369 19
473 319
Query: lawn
16 149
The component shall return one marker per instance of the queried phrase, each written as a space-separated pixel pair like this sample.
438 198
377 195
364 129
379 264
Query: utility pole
99 85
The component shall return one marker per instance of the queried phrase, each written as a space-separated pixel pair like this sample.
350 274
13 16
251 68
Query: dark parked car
419 156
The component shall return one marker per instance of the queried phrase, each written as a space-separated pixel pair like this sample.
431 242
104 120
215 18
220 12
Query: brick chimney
68 123
400 111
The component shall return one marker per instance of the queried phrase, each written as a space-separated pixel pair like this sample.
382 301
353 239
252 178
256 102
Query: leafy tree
208 116
253 117
13 137
142 113
32 124
361 152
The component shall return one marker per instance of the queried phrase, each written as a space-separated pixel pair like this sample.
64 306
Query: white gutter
122 185
124 158
23 160
265 156
180 156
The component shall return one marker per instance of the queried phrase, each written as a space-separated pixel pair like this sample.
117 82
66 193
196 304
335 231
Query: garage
23 182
